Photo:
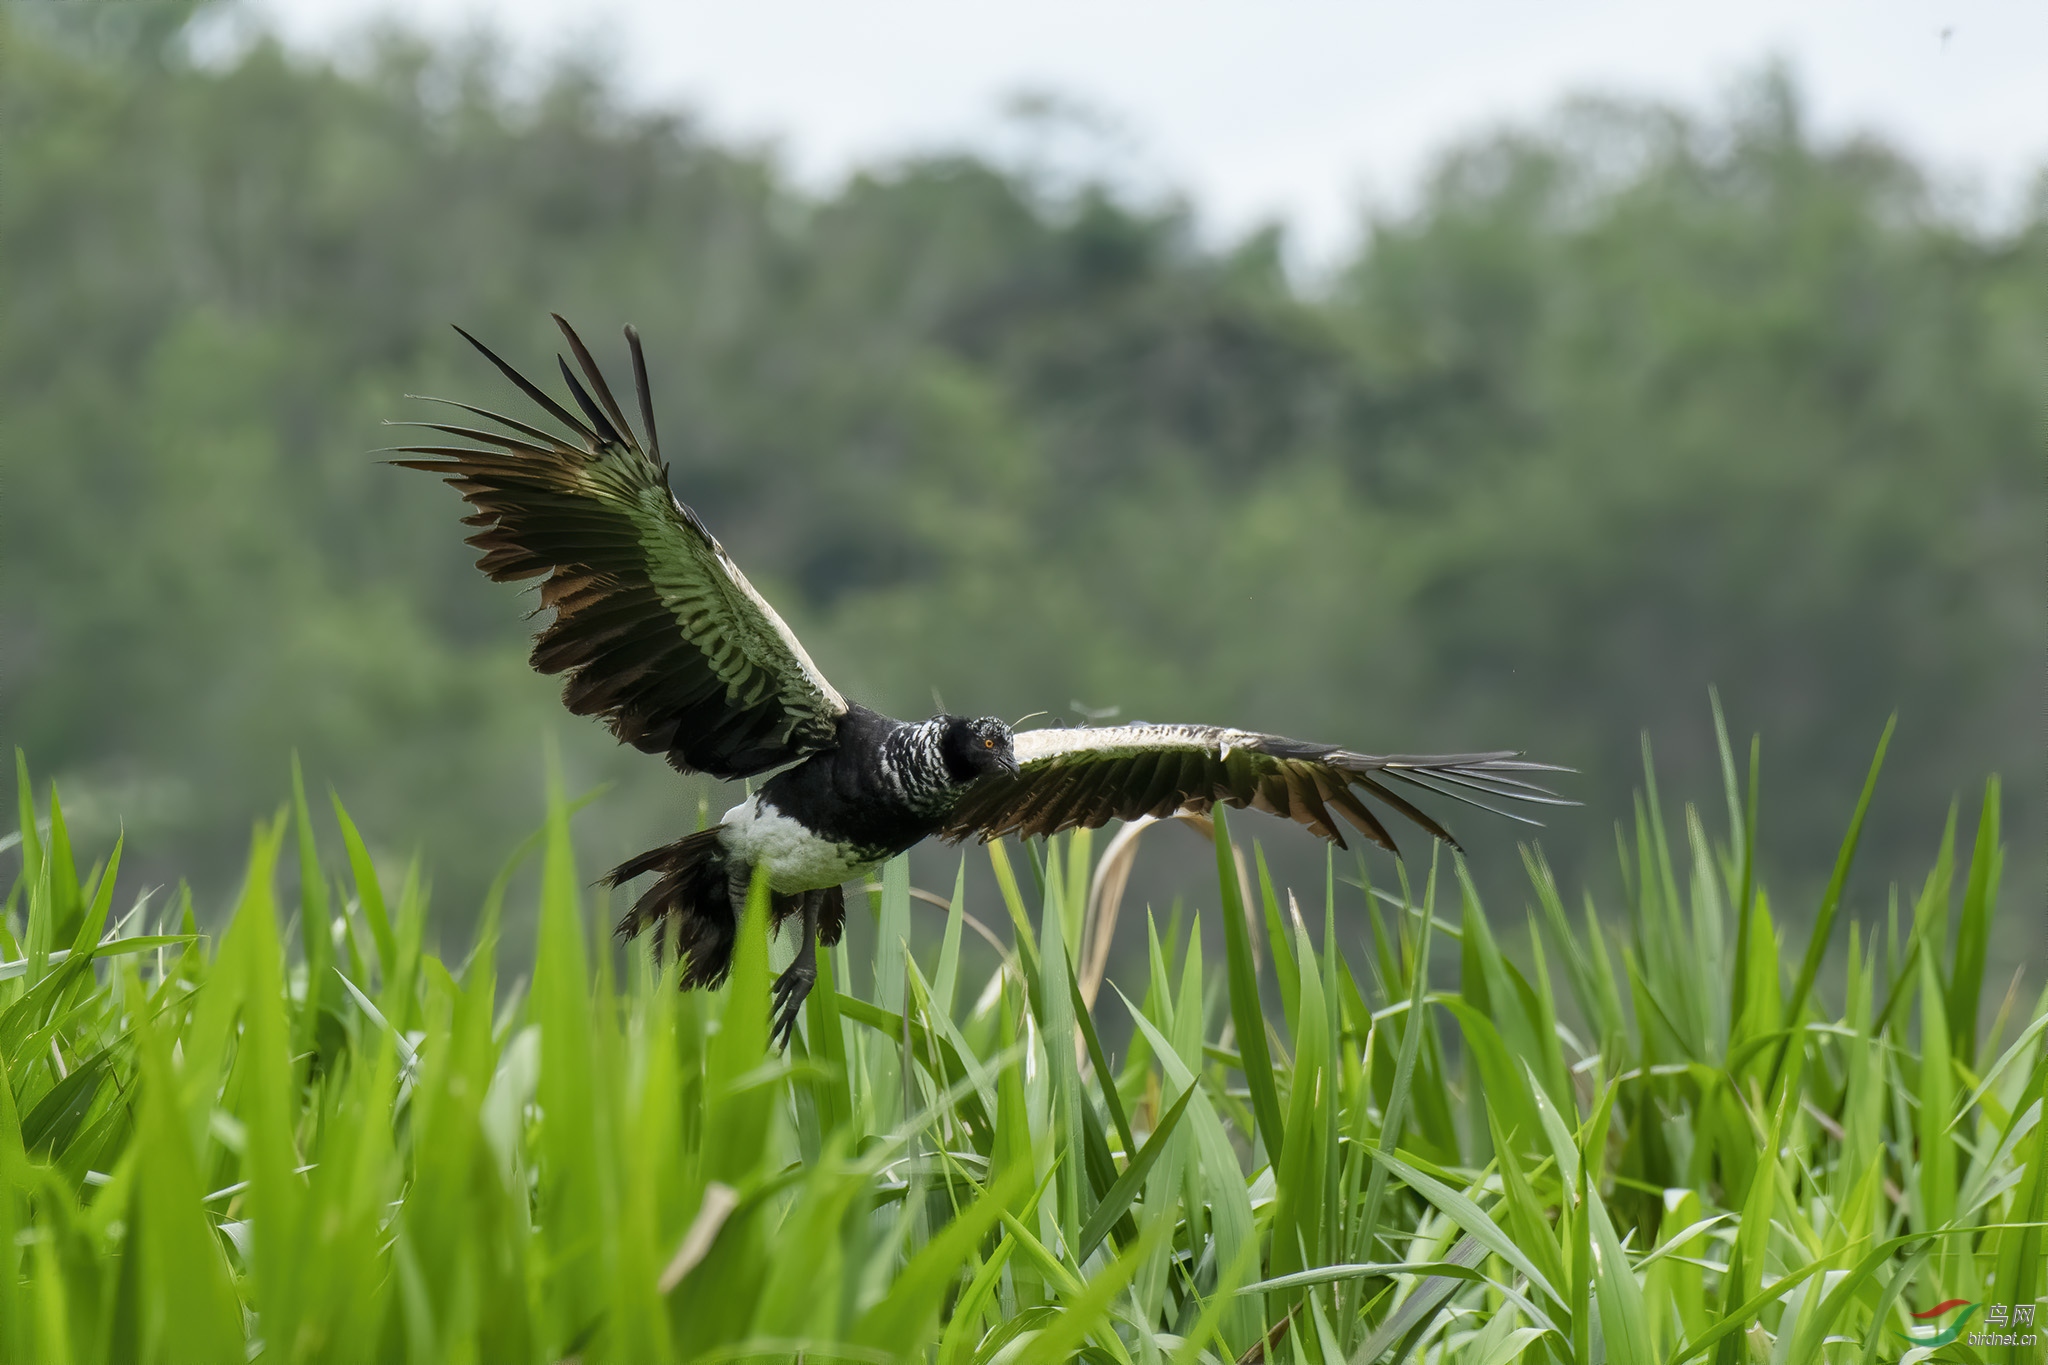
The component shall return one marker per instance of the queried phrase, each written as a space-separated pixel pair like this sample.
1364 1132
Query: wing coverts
655 628
1086 776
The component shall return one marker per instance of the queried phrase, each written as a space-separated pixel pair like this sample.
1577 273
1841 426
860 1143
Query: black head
974 748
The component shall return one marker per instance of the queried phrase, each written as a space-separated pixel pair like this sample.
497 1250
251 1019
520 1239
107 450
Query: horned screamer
656 630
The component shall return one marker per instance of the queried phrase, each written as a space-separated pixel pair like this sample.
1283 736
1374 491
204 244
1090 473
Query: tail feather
689 907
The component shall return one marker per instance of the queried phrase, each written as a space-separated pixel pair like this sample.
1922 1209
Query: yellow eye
988 744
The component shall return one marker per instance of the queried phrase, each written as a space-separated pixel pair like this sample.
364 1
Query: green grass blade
892 934
1013 901
1468 1216
1624 1315
1084 1019
1937 1172
572 1199
1054 1005
1395 1109
369 895
1285 971
736 1117
1086 1314
92 924
185 1303
938 1055
1299 1233
906 1315
945 981
16 1180
1229 1205
66 897
2022 1252
1117 1202
316 938
1831 899
1746 1265
25 821
825 1044
1424 1303
1973 933
1246 1009
957 1343
268 1089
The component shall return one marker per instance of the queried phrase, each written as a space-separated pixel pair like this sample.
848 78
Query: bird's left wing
656 628
1087 776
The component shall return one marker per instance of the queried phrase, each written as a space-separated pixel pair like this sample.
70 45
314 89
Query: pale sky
1302 110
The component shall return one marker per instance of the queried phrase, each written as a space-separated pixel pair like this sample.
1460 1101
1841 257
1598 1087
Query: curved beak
1010 764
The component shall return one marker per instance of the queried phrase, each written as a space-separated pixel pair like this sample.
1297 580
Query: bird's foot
791 990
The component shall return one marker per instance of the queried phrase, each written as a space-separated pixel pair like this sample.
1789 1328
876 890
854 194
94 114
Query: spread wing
1087 776
655 628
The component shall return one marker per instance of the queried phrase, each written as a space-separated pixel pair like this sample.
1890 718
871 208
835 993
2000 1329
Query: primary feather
1086 776
655 627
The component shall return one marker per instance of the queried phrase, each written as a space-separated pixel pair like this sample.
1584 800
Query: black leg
796 980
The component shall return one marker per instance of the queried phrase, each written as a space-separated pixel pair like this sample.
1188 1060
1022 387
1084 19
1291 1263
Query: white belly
796 859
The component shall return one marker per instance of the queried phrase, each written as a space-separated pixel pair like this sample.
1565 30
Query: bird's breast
797 856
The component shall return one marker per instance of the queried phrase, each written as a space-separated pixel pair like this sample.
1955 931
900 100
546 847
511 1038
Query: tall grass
218 1148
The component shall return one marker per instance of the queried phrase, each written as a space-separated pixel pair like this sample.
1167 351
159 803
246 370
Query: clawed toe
791 990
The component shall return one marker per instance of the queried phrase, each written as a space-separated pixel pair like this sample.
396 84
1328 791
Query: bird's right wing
657 629
1088 775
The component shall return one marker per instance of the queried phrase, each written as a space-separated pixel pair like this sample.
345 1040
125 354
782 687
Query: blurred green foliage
1629 402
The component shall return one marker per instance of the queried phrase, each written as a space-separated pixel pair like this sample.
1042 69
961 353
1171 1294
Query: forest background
1630 401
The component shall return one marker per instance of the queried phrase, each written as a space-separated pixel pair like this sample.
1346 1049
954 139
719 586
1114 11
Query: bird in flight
656 630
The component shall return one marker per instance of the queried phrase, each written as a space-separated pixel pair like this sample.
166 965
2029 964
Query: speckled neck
915 766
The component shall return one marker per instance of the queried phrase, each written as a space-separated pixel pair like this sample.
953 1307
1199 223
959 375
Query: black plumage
657 631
